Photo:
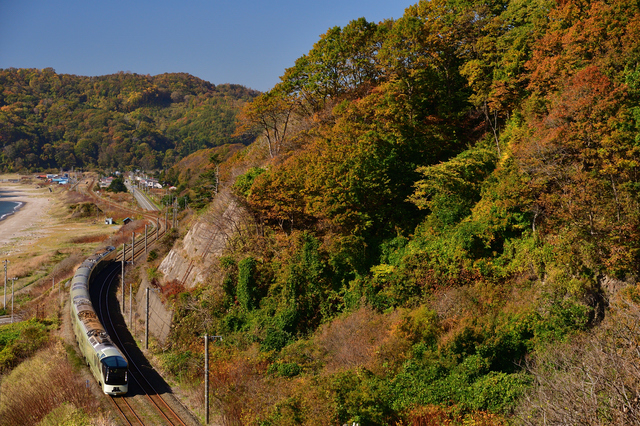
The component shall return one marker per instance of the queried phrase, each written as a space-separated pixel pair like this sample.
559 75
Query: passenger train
107 364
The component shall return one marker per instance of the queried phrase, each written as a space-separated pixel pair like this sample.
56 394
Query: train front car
113 370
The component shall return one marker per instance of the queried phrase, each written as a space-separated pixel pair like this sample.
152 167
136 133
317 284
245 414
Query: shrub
19 341
285 369
153 255
244 182
246 290
496 392
275 340
360 397
182 364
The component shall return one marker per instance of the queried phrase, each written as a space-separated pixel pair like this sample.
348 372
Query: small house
127 220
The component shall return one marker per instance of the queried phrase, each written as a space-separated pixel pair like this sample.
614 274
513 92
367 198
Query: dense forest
446 226
442 215
60 121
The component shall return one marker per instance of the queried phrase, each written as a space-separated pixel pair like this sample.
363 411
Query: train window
114 370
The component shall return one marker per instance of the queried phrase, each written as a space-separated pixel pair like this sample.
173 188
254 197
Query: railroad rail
144 403
127 413
150 216
159 226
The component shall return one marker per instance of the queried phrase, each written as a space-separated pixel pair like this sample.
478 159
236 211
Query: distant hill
50 120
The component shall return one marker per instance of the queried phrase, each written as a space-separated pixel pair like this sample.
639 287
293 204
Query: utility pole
130 308
124 248
175 213
146 327
133 246
145 237
206 374
5 284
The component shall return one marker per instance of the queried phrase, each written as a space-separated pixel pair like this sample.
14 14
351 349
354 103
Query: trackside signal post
206 374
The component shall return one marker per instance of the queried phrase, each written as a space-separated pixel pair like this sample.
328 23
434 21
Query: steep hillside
444 224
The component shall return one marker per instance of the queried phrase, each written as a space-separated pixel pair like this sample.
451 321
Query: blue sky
246 42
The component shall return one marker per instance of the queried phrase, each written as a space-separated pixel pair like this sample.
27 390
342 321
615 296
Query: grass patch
45 388
20 340
76 361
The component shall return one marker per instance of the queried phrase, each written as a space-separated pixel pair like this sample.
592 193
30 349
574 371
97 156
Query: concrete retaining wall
160 317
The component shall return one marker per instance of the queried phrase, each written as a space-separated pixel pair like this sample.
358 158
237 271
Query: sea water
8 207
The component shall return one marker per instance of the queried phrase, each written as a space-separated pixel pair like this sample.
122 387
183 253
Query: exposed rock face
189 262
612 286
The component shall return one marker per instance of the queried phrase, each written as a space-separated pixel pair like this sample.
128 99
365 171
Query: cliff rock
191 260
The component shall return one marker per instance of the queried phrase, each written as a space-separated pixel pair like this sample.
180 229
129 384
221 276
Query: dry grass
30 263
65 268
40 385
355 340
433 415
73 197
44 303
123 236
84 239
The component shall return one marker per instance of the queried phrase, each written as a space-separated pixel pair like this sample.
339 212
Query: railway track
139 246
159 226
146 402
152 217
127 413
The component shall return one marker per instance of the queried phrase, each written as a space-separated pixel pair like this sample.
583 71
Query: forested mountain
50 120
446 212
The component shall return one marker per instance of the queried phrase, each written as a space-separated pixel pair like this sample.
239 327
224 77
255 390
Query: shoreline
22 223
15 209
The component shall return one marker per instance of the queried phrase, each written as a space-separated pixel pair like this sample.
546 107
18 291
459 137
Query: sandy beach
27 222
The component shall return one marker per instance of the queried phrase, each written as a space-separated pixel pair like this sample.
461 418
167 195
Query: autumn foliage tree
580 150
466 175
270 114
